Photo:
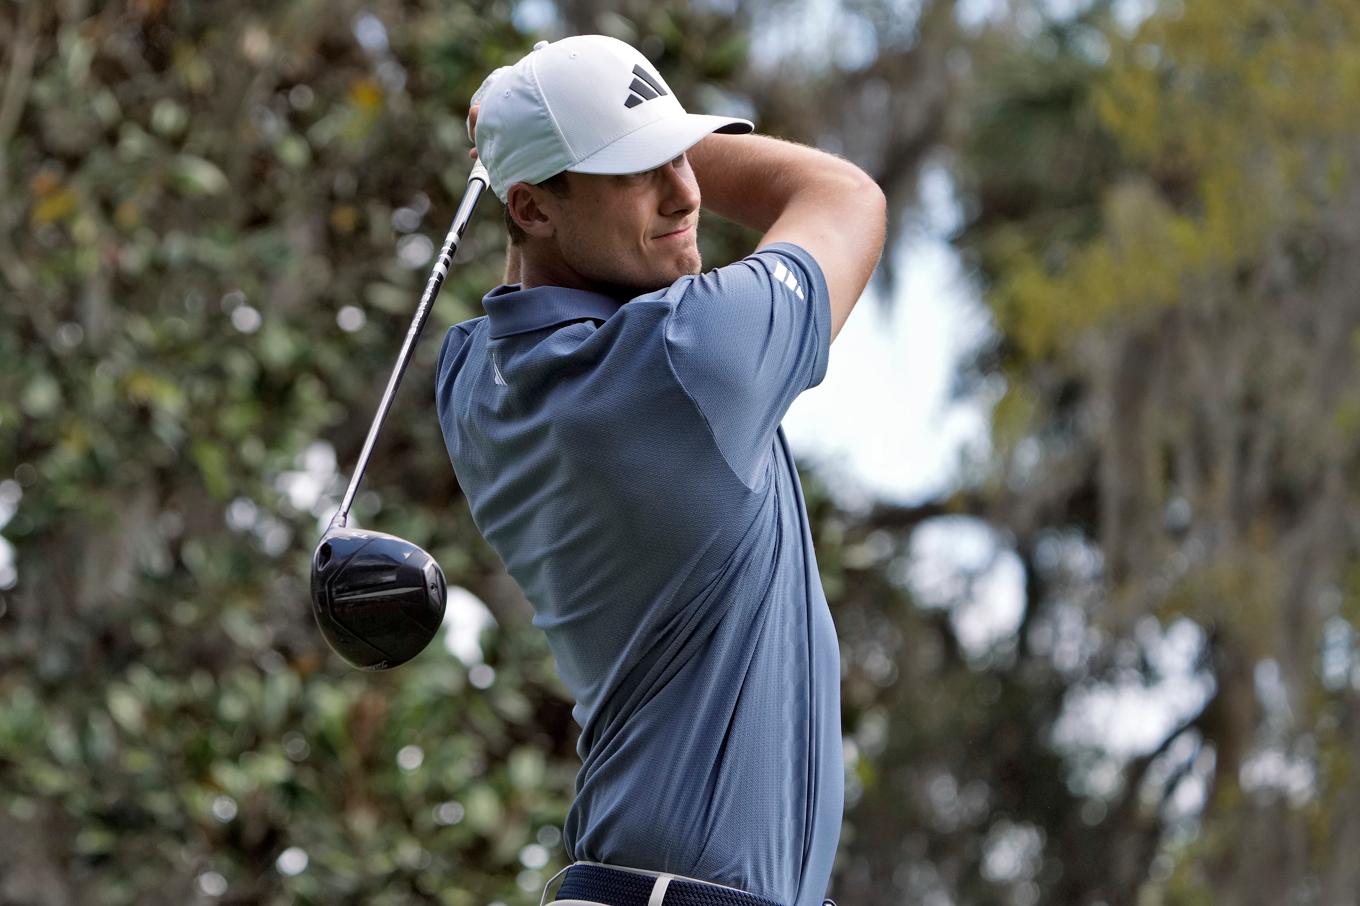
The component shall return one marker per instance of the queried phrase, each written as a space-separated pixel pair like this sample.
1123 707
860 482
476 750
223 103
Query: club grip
479 173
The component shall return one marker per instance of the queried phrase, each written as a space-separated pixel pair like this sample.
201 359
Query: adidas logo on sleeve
786 277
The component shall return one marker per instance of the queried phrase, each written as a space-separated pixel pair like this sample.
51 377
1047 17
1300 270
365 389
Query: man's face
637 233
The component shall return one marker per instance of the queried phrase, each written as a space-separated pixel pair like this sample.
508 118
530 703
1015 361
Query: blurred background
1083 476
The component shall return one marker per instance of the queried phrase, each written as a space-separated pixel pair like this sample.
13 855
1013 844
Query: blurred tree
1163 221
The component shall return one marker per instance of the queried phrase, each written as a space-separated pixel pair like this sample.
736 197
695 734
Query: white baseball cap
588 104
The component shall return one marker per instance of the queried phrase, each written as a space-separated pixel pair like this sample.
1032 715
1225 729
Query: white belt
663 881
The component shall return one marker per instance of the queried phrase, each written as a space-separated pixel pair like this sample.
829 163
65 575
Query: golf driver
379 599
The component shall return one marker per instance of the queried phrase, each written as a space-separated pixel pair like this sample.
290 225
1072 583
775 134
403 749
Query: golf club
377 598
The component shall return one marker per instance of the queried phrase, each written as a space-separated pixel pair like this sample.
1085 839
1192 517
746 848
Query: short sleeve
744 340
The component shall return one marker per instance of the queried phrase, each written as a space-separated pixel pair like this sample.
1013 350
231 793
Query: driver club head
378 599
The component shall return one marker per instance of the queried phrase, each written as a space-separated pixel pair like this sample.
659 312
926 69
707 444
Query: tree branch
11 107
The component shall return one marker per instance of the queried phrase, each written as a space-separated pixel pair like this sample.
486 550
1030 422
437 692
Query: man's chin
666 279
689 270
691 265
686 267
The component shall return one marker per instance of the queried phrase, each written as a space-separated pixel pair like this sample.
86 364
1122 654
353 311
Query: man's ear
525 204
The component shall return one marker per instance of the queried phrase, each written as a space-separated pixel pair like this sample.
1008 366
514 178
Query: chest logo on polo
644 88
786 277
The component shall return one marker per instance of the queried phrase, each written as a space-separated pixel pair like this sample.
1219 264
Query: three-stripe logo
784 276
644 88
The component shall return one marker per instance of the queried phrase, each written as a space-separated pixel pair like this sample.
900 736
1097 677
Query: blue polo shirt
624 459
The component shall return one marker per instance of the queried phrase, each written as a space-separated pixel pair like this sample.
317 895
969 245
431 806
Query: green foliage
191 199
1225 126
1172 289
412 786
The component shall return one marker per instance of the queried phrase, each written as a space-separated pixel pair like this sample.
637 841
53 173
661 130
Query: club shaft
477 183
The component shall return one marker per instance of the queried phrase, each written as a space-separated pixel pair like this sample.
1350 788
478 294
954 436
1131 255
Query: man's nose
681 189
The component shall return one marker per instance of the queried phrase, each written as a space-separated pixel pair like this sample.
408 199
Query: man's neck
513 265
534 271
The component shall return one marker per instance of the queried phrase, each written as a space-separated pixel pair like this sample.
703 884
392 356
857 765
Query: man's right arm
793 193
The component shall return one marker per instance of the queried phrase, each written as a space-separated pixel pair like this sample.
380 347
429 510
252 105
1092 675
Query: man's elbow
871 206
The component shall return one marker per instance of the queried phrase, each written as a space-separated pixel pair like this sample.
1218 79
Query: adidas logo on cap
644 88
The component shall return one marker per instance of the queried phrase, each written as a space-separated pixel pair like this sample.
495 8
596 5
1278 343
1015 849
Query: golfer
614 423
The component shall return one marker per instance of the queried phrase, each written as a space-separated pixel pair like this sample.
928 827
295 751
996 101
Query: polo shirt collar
511 310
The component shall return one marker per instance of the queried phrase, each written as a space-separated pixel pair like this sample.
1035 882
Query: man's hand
512 256
476 103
